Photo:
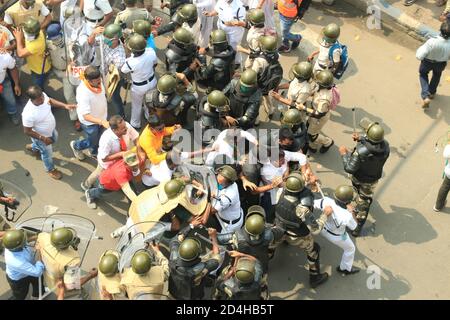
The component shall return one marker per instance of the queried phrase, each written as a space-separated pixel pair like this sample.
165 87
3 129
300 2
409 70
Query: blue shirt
21 264
151 42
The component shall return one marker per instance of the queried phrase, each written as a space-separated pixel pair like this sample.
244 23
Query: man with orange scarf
92 112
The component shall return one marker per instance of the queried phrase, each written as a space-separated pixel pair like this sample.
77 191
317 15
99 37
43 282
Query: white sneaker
89 201
77 153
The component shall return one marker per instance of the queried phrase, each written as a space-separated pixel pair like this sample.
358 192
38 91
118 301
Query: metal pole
354 119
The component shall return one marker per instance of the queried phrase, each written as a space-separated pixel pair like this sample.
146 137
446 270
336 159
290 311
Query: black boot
317 279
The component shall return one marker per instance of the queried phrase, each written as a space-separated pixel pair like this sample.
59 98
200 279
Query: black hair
286 133
34 92
445 29
153 120
115 121
92 73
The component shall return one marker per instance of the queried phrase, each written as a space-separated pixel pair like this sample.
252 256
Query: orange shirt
288 8
152 143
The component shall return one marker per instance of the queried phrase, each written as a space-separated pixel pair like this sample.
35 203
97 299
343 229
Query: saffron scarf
88 85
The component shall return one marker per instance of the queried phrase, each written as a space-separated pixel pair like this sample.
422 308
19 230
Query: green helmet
303 70
218 100
130 2
292 117
256 17
256 210
141 262
218 37
254 224
268 43
142 27
188 13
137 43
109 265
189 249
183 36
331 32
32 26
14 240
325 78
344 194
62 238
295 182
173 188
249 78
112 31
228 172
245 270
167 84
375 132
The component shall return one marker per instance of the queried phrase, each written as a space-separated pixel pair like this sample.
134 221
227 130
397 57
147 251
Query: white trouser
346 243
229 228
206 27
137 98
234 35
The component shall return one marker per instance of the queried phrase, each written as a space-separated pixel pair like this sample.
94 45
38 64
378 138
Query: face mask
246 90
28 36
220 187
253 238
108 42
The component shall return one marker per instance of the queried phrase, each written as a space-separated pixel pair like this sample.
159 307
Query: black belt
433 61
231 222
144 82
334 234
94 20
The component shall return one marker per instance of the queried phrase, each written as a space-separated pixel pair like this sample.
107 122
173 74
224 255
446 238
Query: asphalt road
404 238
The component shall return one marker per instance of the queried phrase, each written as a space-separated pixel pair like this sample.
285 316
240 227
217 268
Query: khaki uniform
20 15
154 281
266 107
321 103
129 15
56 261
299 92
253 43
112 284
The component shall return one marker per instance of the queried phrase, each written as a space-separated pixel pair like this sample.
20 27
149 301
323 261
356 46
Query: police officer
242 281
109 276
295 203
132 13
320 114
365 163
173 5
292 119
334 227
97 13
147 274
214 113
170 106
270 73
256 29
206 23
188 270
331 34
300 89
245 97
144 28
219 72
141 65
181 52
19 12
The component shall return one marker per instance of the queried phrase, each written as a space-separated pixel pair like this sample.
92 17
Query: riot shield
135 239
84 228
78 52
13 211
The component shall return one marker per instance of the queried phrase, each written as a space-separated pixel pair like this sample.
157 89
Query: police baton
354 119
320 189
204 191
209 241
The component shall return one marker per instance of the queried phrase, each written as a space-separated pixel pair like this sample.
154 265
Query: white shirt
299 91
323 58
446 155
6 62
339 220
64 6
142 67
436 48
39 118
160 172
269 172
225 147
228 205
44 12
92 13
110 144
9 35
230 11
91 103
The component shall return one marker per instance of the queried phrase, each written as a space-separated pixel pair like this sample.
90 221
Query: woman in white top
445 186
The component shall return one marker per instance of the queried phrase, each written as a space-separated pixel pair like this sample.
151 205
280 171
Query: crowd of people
265 192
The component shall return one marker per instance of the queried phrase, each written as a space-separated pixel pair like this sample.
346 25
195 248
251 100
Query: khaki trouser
69 91
90 181
315 126
266 109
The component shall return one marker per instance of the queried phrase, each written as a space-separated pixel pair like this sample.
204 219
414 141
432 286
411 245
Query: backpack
271 77
335 97
344 59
